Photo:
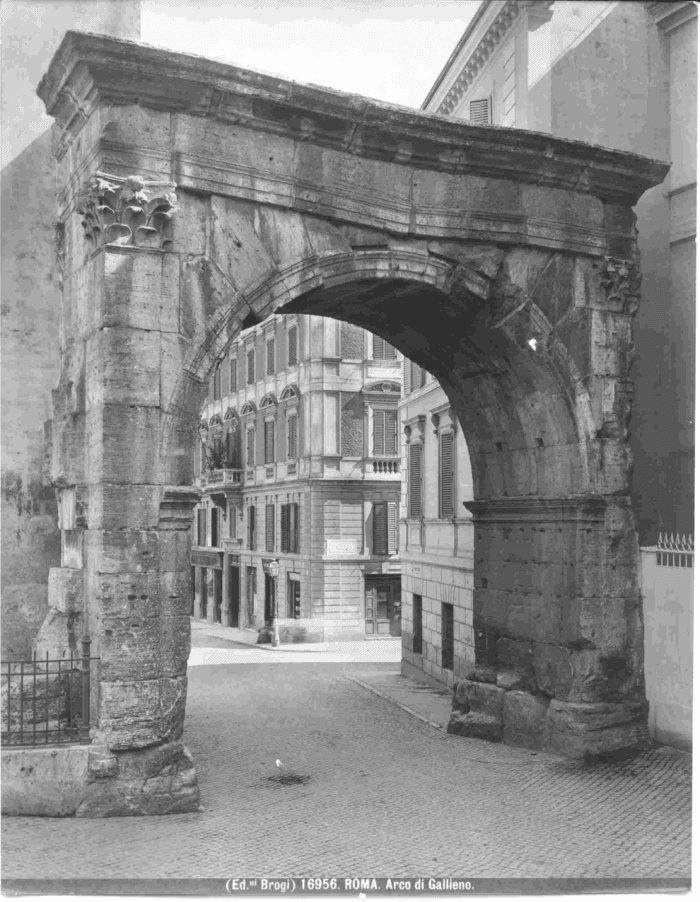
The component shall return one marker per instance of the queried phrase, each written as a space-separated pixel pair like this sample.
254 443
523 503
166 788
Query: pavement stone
386 795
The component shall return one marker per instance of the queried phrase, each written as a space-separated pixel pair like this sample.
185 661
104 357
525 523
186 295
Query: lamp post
274 573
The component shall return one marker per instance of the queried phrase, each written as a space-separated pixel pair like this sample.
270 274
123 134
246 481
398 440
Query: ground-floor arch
504 264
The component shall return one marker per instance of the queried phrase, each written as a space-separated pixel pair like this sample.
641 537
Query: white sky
391 51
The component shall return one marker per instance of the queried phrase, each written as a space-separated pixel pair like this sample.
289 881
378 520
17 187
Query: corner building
436 534
298 462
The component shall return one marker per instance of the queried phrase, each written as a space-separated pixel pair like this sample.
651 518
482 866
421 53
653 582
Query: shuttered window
251 527
446 478
386 424
289 528
251 366
292 437
382 350
379 530
415 480
392 528
232 522
215 528
480 111
292 355
202 526
418 624
269 441
250 449
217 383
269 527
406 375
271 357
233 374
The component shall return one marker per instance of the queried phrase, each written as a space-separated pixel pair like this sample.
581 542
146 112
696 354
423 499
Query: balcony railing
386 466
224 476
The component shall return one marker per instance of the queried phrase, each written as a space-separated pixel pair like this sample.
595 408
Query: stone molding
672 15
416 423
176 507
622 282
130 212
89 70
578 509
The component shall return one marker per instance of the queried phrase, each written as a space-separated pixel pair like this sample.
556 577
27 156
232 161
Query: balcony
223 478
383 468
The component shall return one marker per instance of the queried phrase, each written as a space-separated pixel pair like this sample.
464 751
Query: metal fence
46 700
673 551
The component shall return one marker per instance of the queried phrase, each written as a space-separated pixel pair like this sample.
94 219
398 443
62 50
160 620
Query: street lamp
274 573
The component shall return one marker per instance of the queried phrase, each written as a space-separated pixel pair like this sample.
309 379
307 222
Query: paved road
379 793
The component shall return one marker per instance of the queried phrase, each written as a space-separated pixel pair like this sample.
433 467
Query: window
418 624
251 527
269 441
217 383
271 357
202 526
289 538
214 527
251 366
292 354
480 111
415 480
446 476
448 635
385 438
414 376
232 522
384 533
382 350
250 447
293 598
269 527
292 422
233 374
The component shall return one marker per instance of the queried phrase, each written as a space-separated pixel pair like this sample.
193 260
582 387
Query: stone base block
584 730
66 590
157 780
59 635
523 719
476 725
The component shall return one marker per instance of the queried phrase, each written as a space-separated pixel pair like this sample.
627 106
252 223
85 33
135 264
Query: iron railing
674 551
46 700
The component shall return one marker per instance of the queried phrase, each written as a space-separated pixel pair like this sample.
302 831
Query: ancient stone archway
197 197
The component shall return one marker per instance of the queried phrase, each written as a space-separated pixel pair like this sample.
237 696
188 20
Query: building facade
436 534
298 462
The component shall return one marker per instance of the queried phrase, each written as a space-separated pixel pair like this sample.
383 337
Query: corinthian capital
131 211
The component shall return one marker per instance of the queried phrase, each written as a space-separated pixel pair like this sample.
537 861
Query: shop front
382 604
210 564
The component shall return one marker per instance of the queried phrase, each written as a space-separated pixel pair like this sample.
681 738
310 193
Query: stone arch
501 261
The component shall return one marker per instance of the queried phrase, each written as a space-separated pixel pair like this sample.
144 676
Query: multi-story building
299 464
436 534
624 75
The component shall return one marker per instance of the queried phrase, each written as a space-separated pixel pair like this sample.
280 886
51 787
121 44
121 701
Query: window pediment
268 401
231 414
248 408
215 420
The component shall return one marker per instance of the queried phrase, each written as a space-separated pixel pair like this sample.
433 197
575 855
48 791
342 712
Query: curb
393 701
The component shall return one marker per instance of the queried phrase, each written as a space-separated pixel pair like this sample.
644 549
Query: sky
391 51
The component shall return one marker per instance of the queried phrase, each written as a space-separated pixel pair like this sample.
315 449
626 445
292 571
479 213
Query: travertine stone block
66 590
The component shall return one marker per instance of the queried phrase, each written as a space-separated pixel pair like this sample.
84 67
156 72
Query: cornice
672 15
92 70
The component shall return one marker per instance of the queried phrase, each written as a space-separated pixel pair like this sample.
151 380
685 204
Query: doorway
293 597
269 599
217 596
250 597
234 596
383 605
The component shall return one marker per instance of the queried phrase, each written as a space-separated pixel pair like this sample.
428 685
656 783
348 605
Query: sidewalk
432 706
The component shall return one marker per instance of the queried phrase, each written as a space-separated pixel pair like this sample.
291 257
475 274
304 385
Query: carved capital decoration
417 423
622 282
131 212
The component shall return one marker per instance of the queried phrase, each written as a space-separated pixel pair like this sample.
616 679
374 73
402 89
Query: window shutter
269 527
232 521
251 367
294 515
415 480
391 419
284 528
292 437
233 374
292 346
446 475
251 527
392 537
379 427
480 111
250 461
271 357
389 351
379 527
269 441
416 381
214 528
377 348
406 375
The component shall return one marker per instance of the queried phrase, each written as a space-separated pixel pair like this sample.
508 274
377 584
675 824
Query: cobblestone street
380 792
